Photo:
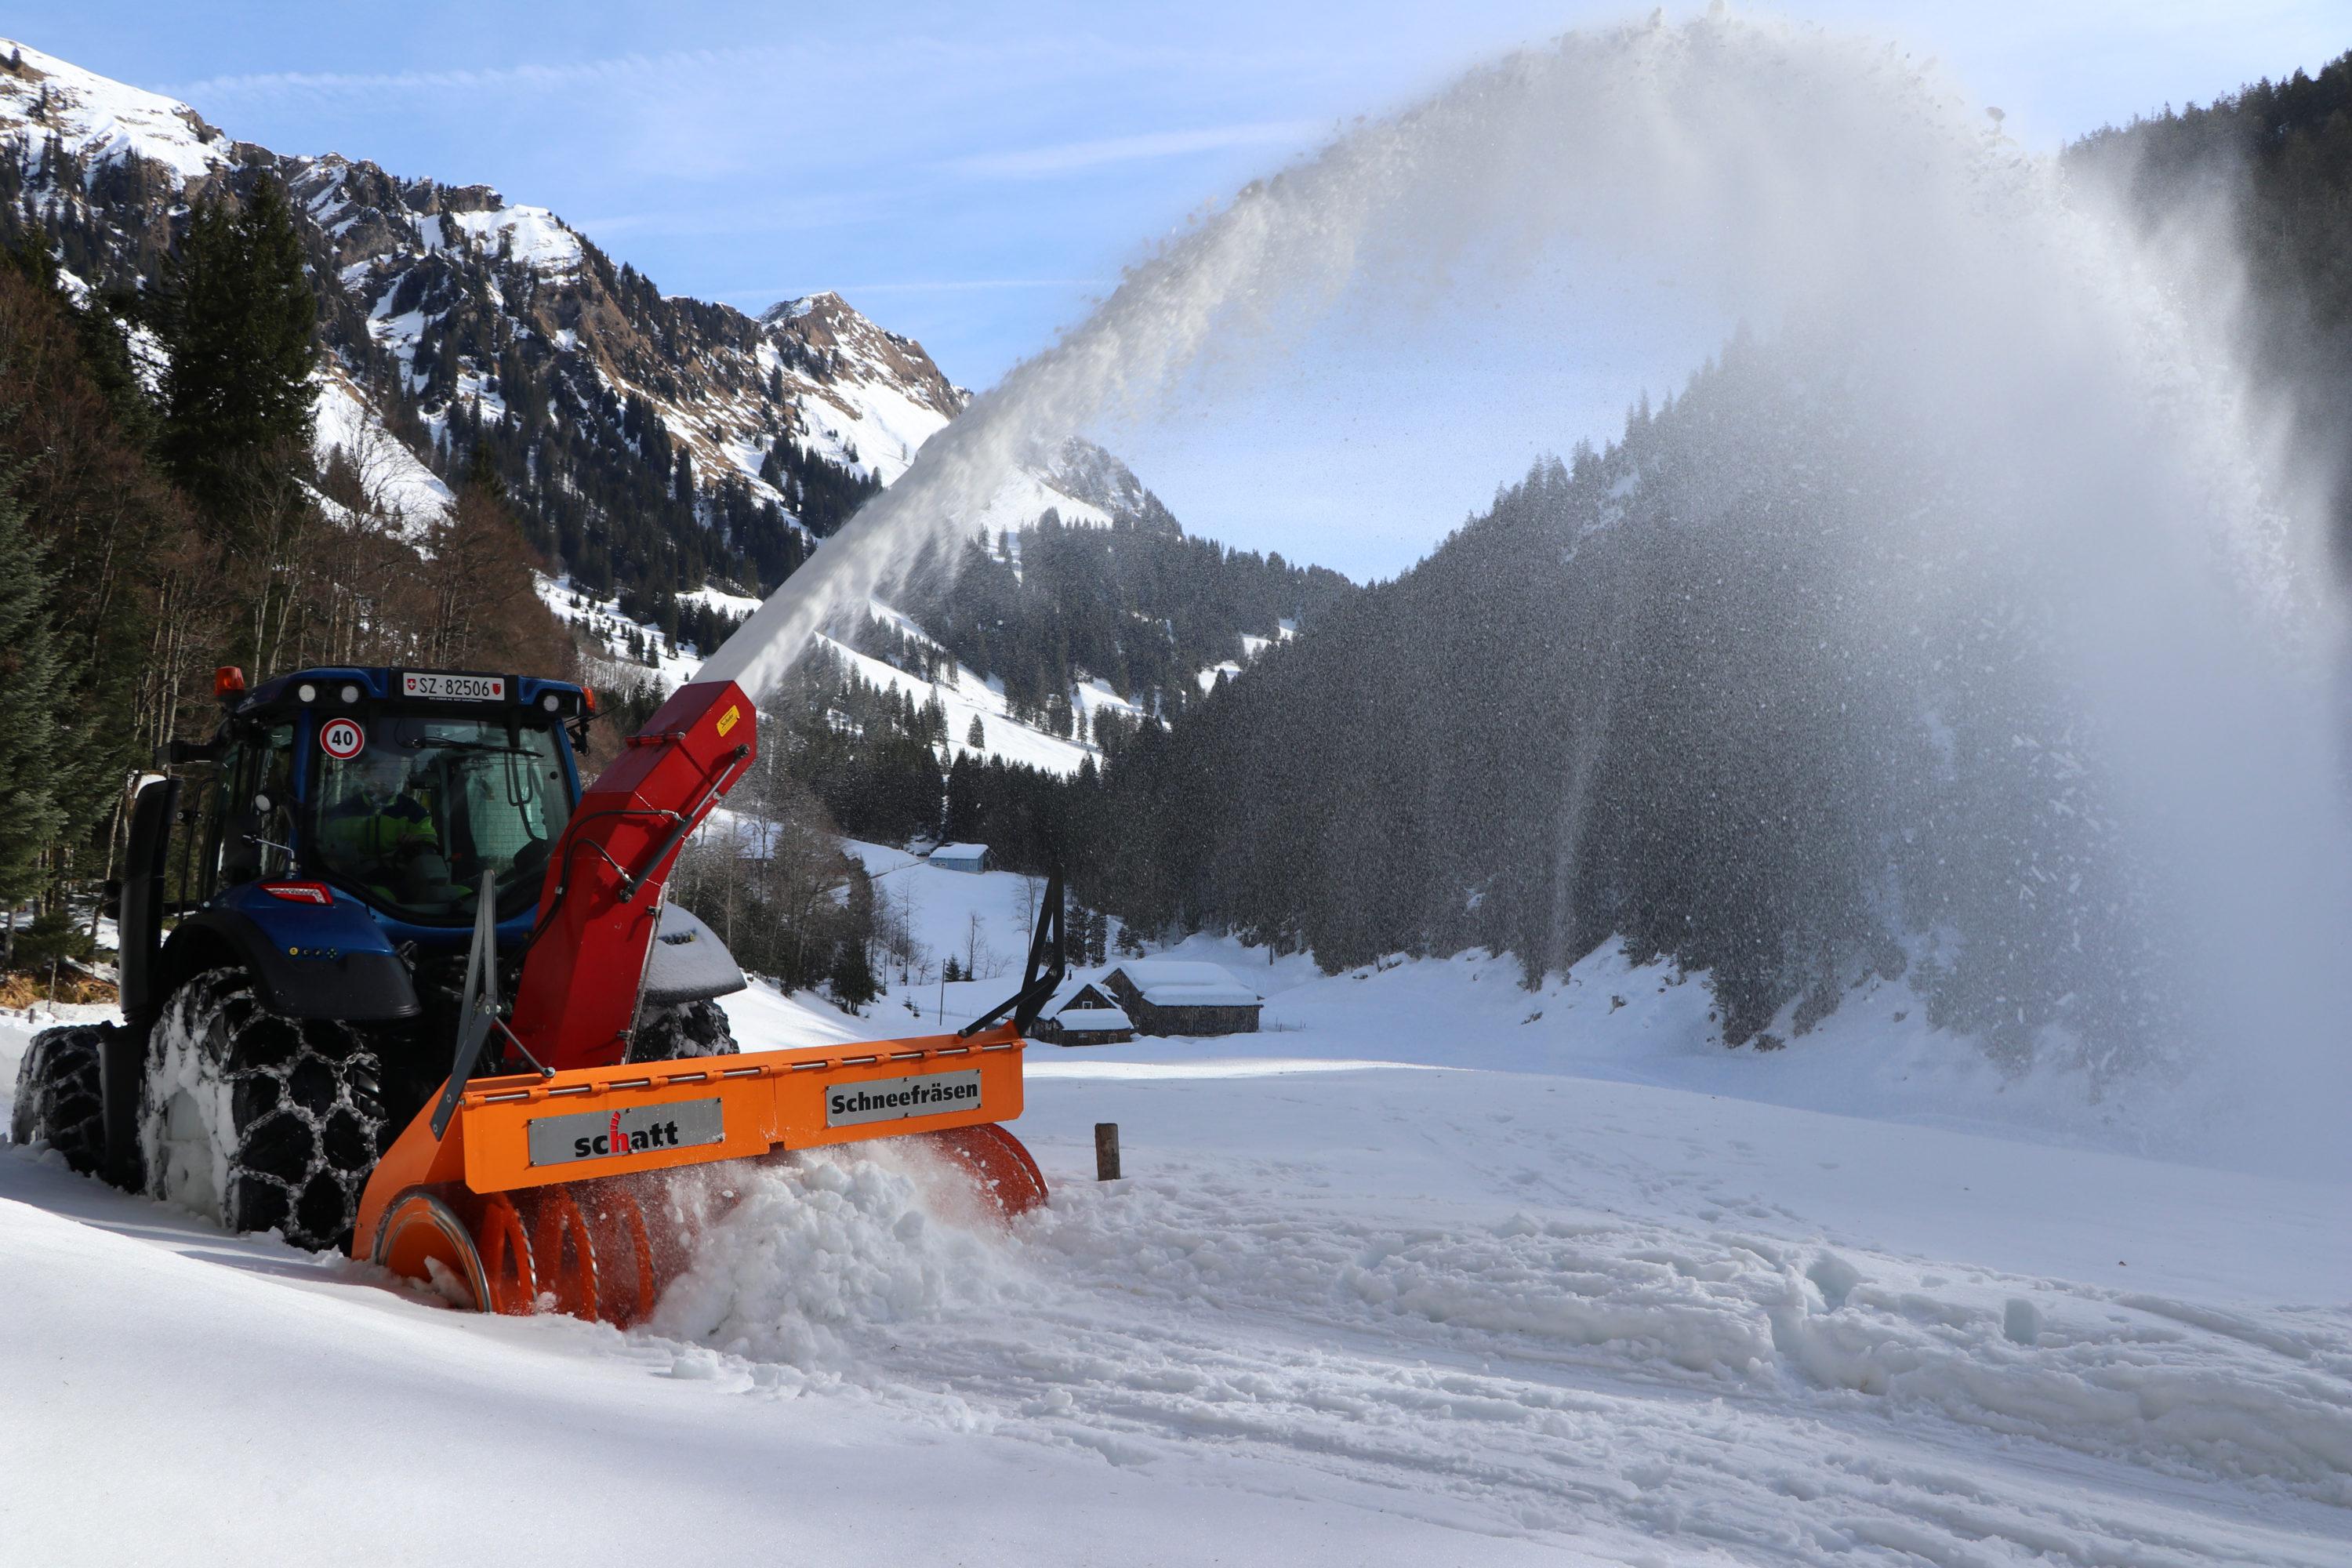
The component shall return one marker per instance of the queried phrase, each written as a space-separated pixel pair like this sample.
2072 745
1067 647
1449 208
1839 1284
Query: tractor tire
257 1120
687 1029
58 1098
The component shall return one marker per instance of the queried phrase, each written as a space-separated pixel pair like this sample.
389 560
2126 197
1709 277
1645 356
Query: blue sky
974 174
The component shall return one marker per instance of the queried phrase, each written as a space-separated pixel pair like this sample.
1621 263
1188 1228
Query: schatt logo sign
632 1129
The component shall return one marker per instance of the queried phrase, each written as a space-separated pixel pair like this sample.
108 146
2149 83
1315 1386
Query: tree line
158 520
1139 604
1649 712
2277 159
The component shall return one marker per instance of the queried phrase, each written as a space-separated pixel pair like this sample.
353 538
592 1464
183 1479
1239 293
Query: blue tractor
323 895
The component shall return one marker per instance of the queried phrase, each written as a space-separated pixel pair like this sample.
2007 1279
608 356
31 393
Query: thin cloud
1027 57
1044 162
621 68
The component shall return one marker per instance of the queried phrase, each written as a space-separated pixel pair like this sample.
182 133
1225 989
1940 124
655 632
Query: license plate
454 688
893 1099
639 1130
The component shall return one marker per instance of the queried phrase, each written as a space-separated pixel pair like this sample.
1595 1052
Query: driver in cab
382 831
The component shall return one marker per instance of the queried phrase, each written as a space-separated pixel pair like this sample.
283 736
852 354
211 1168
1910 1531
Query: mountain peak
98 119
823 303
842 342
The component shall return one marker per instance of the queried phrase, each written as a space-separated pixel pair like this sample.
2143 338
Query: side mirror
177 752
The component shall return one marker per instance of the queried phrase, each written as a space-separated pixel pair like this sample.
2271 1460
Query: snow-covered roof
1093 1020
1186 983
958 852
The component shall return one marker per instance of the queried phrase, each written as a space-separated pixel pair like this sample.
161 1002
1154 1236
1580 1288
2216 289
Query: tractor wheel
687 1029
255 1119
58 1095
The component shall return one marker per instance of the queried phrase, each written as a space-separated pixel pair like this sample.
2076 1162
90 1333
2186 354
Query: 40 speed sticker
894 1099
341 739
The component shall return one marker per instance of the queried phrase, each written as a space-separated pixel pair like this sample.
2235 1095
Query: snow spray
2116 472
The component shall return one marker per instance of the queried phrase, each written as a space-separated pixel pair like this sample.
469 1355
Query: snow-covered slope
885 399
44 100
982 919
408 495
964 695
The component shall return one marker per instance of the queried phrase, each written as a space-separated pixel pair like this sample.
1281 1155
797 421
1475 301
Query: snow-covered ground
1414 1276
941 908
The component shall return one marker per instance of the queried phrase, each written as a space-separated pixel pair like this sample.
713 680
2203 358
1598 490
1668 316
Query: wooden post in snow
1105 1150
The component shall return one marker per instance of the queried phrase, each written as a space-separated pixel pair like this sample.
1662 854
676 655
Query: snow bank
1875 1056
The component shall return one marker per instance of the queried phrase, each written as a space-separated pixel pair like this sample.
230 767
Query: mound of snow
832 1241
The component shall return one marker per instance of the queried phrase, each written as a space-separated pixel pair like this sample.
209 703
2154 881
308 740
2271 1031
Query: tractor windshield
431 807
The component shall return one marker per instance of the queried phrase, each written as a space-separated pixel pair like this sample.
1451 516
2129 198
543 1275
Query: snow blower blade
548 1194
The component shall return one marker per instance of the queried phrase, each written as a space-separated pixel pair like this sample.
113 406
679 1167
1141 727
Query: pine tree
482 474
977 736
238 315
30 689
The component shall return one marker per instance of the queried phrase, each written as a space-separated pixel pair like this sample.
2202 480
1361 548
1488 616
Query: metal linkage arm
1048 964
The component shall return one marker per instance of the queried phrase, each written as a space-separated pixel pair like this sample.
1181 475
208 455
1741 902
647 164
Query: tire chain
306 1110
687 1029
58 1095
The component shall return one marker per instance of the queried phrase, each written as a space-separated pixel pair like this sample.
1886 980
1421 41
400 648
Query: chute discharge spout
577 999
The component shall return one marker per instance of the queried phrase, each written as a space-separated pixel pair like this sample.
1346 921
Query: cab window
249 828
432 809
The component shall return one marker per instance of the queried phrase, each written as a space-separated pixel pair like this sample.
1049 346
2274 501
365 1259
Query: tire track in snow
1611 1385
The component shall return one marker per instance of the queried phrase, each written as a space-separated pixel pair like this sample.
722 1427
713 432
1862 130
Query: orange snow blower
570 1187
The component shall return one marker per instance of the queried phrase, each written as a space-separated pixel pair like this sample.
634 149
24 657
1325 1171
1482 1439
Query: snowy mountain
656 442
672 458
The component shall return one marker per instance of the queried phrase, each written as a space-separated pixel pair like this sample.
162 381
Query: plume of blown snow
2118 480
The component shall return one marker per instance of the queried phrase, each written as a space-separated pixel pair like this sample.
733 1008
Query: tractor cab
412 792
